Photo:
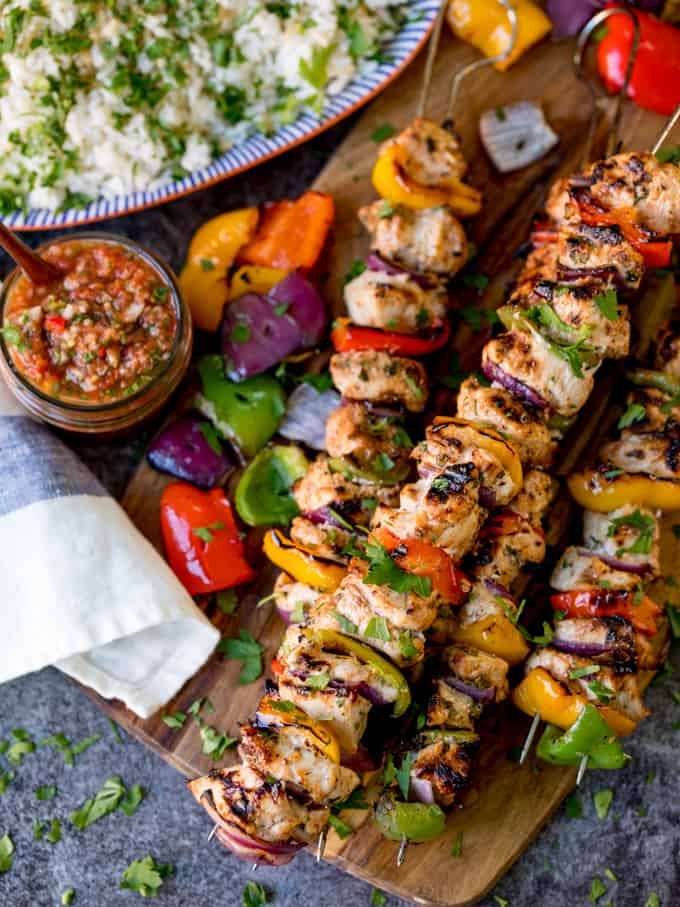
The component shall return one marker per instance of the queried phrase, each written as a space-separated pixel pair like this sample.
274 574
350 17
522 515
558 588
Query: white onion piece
516 136
422 790
306 415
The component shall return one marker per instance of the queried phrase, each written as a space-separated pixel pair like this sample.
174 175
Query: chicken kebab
350 640
609 635
567 313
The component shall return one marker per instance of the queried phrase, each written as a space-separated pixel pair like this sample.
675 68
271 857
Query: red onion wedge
487 694
375 262
639 569
189 449
584 649
422 790
304 305
487 497
254 337
496 589
495 373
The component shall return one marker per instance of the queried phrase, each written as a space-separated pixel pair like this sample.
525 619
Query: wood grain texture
509 803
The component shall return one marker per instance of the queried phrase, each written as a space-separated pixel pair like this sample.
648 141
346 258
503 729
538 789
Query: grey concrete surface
639 840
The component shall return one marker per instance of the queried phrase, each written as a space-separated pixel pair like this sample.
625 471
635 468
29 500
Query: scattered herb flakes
346 625
597 889
502 902
403 774
46 792
69 750
227 601
21 746
215 743
255 895
206 533
457 846
132 799
634 413
105 801
342 829
318 681
641 811
385 209
248 651
175 720
146 876
603 800
67 896
356 800
475 282
607 303
611 875
378 899
649 777
38 829
603 693
5 779
54 834
115 730
4 745
380 133
653 900
382 571
6 853
356 269
573 807
283 705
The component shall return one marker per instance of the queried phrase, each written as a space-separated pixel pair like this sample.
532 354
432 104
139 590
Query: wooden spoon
34 267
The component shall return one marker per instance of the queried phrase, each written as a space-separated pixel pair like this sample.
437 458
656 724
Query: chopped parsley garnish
645 526
377 629
573 807
406 647
607 303
227 601
248 651
255 895
603 800
115 730
105 801
146 876
475 281
383 571
603 693
385 209
46 792
6 853
634 413
345 624
318 681
586 671
174 721
240 333
207 264
457 848
356 269
67 897
380 133
215 743
597 889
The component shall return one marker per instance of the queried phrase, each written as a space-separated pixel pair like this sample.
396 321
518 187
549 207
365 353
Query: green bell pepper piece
376 476
644 377
589 735
263 495
417 822
245 412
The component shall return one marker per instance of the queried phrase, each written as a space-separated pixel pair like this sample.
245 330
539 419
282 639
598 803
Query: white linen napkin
80 586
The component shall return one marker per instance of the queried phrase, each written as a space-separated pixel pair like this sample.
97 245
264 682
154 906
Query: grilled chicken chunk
289 755
530 359
326 539
637 180
541 264
660 413
578 569
450 443
483 601
537 494
443 510
361 436
521 424
506 544
321 487
292 595
478 669
655 454
577 307
450 708
667 353
625 694
344 710
586 252
615 534
375 614
380 378
444 759
604 640
250 801
431 154
395 302
430 241
303 657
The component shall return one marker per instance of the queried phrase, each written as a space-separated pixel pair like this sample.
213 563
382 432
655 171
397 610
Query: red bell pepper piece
201 539
55 323
608 603
347 337
502 522
655 80
423 559
655 250
291 234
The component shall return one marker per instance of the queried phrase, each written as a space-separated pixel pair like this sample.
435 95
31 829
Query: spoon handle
36 268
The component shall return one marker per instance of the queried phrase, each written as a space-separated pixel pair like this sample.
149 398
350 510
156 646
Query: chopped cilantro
457 848
380 133
603 800
6 853
105 801
573 807
146 876
383 571
597 889
607 303
46 792
248 651
176 720
634 413
342 828
378 899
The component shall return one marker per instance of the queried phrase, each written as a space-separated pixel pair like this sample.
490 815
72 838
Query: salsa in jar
100 333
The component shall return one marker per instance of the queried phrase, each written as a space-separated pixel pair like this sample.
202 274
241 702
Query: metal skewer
667 129
321 844
212 833
598 98
529 738
401 856
582 766
432 49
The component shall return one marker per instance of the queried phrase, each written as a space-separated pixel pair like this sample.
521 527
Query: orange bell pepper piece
291 234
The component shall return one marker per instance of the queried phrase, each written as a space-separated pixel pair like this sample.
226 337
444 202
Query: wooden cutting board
509 804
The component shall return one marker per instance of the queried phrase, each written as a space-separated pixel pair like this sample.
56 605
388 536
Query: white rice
108 97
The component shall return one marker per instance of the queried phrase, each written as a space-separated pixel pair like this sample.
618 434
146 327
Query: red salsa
100 333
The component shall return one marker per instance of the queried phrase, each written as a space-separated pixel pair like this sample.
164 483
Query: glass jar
118 414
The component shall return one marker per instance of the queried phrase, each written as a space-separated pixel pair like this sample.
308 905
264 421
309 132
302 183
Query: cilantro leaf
634 413
105 801
403 774
6 853
176 720
383 571
380 133
607 303
255 895
248 651
146 876
457 848
132 799
378 899
54 834
603 800
46 792
215 742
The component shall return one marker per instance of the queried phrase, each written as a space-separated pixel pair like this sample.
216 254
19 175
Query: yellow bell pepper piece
539 693
213 249
296 721
592 490
301 563
391 181
254 279
485 25
495 444
497 636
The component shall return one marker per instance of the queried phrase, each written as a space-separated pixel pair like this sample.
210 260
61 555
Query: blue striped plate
398 52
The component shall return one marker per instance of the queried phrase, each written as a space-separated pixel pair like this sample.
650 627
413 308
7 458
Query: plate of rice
111 106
